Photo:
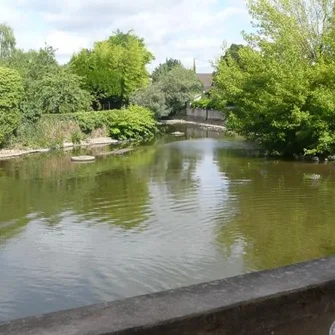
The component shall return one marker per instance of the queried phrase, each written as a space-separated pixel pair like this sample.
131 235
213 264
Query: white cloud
180 29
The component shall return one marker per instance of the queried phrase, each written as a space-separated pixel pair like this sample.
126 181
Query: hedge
134 122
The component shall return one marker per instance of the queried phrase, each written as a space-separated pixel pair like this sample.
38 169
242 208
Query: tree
114 68
307 24
164 68
153 98
33 65
170 94
60 92
10 95
48 87
282 82
7 41
180 86
232 52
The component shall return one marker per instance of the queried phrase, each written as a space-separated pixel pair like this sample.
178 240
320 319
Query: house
206 79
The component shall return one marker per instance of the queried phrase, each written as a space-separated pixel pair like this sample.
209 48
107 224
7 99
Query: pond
172 213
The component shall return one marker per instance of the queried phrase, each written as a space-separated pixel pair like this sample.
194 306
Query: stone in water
83 158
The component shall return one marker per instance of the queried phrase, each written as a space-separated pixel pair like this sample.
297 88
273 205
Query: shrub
46 133
76 137
134 122
10 95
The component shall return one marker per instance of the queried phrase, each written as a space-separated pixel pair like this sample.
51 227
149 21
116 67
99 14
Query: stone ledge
251 304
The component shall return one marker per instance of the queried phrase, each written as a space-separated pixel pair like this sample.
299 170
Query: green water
166 215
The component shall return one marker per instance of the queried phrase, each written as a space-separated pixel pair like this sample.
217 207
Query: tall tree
7 41
170 94
114 68
164 68
10 96
282 84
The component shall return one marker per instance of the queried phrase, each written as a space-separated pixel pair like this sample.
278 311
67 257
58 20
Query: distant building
206 79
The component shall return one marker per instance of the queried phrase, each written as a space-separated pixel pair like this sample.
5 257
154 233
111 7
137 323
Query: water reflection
165 215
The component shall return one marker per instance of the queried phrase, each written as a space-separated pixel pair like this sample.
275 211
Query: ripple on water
173 215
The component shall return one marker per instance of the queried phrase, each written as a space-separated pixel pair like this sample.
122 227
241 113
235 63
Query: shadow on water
175 212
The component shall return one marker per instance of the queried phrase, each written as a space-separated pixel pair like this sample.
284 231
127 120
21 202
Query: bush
10 95
46 133
152 98
208 103
76 137
60 92
134 122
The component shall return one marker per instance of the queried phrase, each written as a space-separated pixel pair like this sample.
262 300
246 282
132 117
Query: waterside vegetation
280 83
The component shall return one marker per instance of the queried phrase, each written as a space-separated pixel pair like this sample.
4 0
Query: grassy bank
52 130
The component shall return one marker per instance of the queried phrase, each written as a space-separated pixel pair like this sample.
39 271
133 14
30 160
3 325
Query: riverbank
100 141
12 153
200 124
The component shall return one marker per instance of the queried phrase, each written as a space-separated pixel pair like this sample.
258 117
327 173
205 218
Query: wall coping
164 308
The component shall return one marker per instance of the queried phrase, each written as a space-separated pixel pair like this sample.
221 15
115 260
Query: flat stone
83 158
177 133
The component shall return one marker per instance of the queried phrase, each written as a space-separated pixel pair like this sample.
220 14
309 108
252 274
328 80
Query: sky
181 29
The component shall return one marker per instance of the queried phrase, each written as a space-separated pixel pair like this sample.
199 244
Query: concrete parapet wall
255 303
204 114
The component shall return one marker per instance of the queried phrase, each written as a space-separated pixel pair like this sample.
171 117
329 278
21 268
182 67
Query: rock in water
177 133
83 158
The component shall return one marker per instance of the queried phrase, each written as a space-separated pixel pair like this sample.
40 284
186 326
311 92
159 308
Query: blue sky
181 29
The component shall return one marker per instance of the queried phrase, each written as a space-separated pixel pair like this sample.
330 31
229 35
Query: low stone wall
257 303
204 114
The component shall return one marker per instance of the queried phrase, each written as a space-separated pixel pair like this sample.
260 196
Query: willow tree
283 82
7 41
114 68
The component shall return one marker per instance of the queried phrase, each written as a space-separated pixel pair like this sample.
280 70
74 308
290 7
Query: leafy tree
153 98
163 68
282 83
10 95
59 92
48 87
232 52
33 65
114 68
170 94
179 85
7 41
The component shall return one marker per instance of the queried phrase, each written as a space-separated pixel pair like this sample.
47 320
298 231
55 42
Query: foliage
152 98
134 122
45 133
7 41
170 94
33 66
76 137
49 88
163 68
180 85
114 68
60 92
208 102
282 84
10 96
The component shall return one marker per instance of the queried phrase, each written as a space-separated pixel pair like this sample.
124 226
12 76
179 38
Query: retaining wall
204 114
256 303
